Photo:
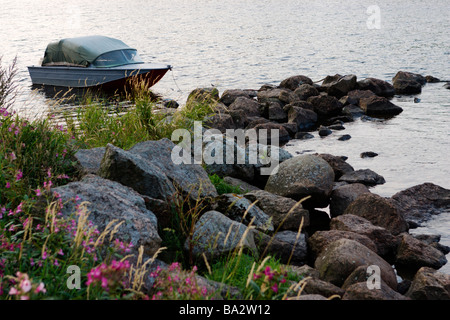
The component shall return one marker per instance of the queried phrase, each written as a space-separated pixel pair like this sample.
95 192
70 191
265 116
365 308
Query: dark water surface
244 44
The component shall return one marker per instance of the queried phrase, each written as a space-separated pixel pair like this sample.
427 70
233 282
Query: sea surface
244 44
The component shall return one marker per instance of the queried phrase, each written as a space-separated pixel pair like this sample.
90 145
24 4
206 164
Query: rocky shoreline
334 249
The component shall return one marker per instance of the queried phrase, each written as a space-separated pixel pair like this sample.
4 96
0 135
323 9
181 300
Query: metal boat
93 61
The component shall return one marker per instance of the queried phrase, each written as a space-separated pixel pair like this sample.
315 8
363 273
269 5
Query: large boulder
340 258
412 254
338 163
429 284
325 106
250 107
344 195
384 240
360 291
287 246
109 200
303 118
364 176
230 95
286 214
379 211
408 82
421 202
304 91
280 95
379 106
88 160
209 95
216 235
294 82
379 87
302 176
338 85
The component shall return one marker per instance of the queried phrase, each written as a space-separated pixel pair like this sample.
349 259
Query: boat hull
109 78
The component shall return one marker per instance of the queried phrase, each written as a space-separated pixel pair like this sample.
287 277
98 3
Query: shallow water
244 44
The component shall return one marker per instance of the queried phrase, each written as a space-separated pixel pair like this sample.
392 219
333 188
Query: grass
39 245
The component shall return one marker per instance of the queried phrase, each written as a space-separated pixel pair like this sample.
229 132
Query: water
245 44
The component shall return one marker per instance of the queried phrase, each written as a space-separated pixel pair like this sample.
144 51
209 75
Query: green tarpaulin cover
80 51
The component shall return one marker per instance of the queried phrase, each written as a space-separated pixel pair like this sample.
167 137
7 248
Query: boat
93 61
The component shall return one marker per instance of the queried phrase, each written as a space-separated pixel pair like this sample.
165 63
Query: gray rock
292 83
230 95
203 96
414 254
340 258
364 176
107 201
379 211
338 85
250 107
302 176
216 235
324 131
275 112
244 186
368 154
325 106
304 118
308 297
280 95
321 287
429 284
287 246
304 91
342 196
88 160
345 137
379 87
220 121
303 135
379 106
360 291
285 213
338 163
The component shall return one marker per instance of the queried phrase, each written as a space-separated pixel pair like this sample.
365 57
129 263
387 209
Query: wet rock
274 131
170 103
379 106
305 91
250 107
353 110
429 284
408 82
364 176
287 246
304 119
345 137
285 213
354 96
325 106
275 112
377 86
292 83
230 95
240 209
302 176
282 96
340 258
433 240
320 239
338 85
220 121
414 254
421 202
88 160
447 85
337 126
324 131
384 240
360 291
379 211
368 154
343 196
339 165
431 79
210 233
404 75
303 135
109 200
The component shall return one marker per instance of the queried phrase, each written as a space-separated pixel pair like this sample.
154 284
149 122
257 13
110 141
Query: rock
136 172
203 96
337 126
403 75
368 154
287 246
240 209
303 135
414 254
294 82
429 284
273 129
250 107
244 186
323 288
320 239
340 258
352 110
220 121
433 240
170 103
379 211
407 87
275 112
291 128
325 106
282 96
384 240
360 291
308 297
190 179
88 160
230 95
364 176
284 212
447 85
343 196
355 96
379 106
324 131
210 233
108 200
419 203
379 87
302 176
338 85
340 167
304 271
305 91
304 119
345 137
431 79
